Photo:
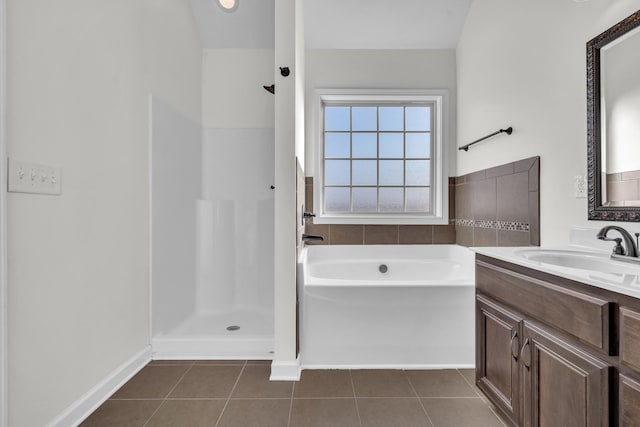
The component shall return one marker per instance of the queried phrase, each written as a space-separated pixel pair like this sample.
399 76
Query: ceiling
338 24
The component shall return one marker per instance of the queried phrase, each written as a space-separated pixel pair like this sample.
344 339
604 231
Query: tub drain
233 328
383 268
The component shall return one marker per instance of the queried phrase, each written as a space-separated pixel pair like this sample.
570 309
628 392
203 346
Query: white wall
379 69
79 262
233 96
173 56
522 64
288 15
4 369
78 276
176 175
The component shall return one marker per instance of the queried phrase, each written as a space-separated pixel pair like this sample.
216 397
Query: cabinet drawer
630 338
584 316
629 391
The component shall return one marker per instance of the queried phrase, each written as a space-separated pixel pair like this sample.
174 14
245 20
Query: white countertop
626 281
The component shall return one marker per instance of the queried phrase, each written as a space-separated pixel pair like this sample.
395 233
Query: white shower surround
418 314
212 244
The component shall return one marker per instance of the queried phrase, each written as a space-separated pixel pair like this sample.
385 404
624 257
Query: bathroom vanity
558 346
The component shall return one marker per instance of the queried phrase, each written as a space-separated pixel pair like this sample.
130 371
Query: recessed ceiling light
228 5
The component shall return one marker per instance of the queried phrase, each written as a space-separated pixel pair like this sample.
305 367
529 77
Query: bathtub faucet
311 238
630 248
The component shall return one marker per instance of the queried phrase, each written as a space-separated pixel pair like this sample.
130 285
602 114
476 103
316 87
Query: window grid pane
400 145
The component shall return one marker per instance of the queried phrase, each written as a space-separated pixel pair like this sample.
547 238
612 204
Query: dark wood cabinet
629 395
498 344
551 352
563 385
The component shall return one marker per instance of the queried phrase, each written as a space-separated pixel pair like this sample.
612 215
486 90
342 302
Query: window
381 158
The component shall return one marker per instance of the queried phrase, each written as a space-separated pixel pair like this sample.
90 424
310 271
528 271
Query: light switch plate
27 177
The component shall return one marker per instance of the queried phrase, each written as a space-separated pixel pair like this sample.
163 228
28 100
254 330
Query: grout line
419 399
452 398
332 398
258 398
184 398
484 399
168 394
497 416
415 392
473 386
355 398
230 394
293 390
290 411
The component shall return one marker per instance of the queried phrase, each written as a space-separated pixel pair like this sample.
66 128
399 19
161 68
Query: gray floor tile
259 362
469 375
392 412
122 413
192 413
440 383
324 383
254 382
220 362
256 413
207 382
324 413
456 412
170 362
152 382
381 383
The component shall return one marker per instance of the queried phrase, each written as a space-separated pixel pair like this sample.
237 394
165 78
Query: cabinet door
563 385
629 392
497 346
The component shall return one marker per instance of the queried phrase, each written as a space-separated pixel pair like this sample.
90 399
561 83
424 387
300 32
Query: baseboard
83 407
285 371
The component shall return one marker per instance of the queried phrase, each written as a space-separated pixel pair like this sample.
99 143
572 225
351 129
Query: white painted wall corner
90 401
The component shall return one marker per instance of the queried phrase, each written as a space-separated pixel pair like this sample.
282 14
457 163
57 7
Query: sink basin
589 261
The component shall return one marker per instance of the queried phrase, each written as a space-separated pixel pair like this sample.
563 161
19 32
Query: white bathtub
418 314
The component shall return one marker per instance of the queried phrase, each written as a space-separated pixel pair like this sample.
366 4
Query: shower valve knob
284 71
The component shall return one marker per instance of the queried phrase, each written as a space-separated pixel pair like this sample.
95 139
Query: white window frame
440 144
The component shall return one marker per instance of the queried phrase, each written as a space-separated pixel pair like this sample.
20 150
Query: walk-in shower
212 239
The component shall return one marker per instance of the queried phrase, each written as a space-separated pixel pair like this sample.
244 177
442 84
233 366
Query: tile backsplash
499 206
492 207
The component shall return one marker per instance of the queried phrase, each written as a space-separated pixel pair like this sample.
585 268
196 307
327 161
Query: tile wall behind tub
499 206
341 234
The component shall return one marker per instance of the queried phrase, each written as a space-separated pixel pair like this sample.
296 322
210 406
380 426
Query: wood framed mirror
613 122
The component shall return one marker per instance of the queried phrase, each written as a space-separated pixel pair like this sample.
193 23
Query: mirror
613 124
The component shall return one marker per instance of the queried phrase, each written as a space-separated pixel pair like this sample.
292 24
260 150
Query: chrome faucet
630 248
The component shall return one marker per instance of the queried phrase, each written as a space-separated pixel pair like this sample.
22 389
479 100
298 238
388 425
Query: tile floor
239 394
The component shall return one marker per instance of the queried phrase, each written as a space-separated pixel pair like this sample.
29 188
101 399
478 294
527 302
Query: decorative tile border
495 225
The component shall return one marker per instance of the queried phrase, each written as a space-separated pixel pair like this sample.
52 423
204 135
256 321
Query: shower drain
233 328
